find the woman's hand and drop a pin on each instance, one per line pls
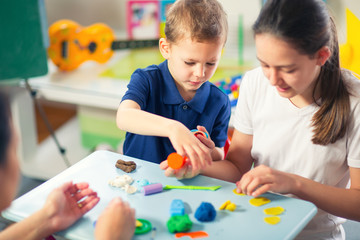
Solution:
(67, 203)
(116, 222)
(262, 179)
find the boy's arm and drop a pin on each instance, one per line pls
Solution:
(132, 119)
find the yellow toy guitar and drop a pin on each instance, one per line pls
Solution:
(71, 44)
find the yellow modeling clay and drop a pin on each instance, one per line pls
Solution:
(272, 220)
(274, 211)
(231, 207)
(241, 194)
(259, 201)
(223, 206)
(138, 223)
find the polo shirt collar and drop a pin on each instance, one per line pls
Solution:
(171, 95)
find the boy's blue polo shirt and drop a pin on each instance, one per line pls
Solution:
(154, 89)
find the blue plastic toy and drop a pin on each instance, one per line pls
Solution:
(177, 207)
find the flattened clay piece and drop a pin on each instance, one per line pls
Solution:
(274, 211)
(241, 194)
(272, 220)
(259, 201)
(126, 166)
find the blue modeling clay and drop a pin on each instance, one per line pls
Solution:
(142, 182)
(205, 212)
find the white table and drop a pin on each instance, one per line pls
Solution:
(246, 222)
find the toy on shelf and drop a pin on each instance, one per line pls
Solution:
(164, 6)
(230, 86)
(350, 51)
(146, 19)
(143, 19)
(71, 44)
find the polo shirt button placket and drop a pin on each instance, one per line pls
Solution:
(185, 107)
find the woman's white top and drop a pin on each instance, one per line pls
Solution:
(282, 136)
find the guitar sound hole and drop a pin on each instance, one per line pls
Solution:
(92, 47)
(64, 49)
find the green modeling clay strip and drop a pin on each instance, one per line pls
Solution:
(213, 188)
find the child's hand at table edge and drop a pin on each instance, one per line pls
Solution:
(185, 172)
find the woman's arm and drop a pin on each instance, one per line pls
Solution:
(337, 201)
(34, 227)
(237, 162)
(64, 205)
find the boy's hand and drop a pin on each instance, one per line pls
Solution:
(206, 141)
(187, 144)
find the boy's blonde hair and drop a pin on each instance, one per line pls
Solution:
(201, 20)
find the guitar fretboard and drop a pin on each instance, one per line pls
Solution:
(126, 44)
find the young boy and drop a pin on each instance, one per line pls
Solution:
(164, 102)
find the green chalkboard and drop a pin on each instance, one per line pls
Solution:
(23, 39)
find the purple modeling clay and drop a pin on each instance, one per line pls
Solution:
(152, 188)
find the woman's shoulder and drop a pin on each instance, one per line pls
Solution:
(255, 79)
(352, 82)
(255, 72)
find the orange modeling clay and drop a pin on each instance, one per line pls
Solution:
(175, 160)
(192, 235)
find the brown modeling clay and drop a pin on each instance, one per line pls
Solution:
(126, 166)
